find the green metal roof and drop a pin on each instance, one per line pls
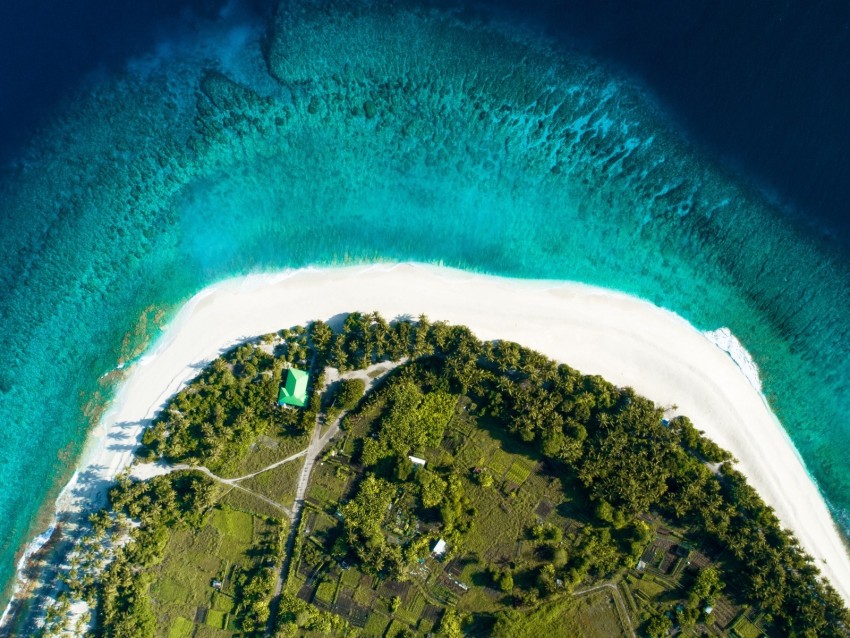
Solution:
(294, 390)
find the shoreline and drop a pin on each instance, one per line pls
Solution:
(626, 340)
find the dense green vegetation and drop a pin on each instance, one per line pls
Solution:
(349, 393)
(564, 501)
(216, 419)
(615, 444)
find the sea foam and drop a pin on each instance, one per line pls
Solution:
(726, 341)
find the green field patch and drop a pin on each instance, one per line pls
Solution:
(208, 563)
(169, 590)
(499, 462)
(204, 631)
(648, 587)
(232, 550)
(325, 591)
(364, 596)
(222, 602)
(498, 526)
(243, 501)
(395, 629)
(425, 626)
(267, 450)
(321, 494)
(194, 559)
(234, 523)
(348, 444)
(216, 619)
(322, 523)
(376, 625)
(327, 485)
(591, 616)
(416, 605)
(597, 615)
(743, 628)
(277, 484)
(350, 578)
(518, 472)
(187, 569)
(407, 616)
(181, 628)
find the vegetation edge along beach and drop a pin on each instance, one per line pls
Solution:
(419, 281)
(630, 475)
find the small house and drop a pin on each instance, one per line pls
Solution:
(439, 548)
(417, 461)
(294, 389)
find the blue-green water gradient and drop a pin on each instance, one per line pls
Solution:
(365, 134)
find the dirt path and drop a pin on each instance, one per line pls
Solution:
(622, 611)
(317, 444)
(149, 470)
(297, 455)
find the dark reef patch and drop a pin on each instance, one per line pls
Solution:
(374, 131)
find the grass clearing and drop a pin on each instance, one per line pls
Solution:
(234, 523)
(648, 587)
(240, 500)
(170, 590)
(325, 592)
(192, 560)
(499, 462)
(223, 602)
(411, 611)
(519, 471)
(364, 595)
(328, 483)
(552, 619)
(350, 578)
(269, 449)
(743, 628)
(597, 614)
(417, 605)
(376, 625)
(203, 631)
(425, 626)
(395, 629)
(592, 616)
(216, 619)
(277, 484)
(181, 628)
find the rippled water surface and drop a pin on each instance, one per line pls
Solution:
(362, 134)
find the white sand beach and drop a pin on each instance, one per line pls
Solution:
(626, 340)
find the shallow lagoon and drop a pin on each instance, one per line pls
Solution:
(382, 136)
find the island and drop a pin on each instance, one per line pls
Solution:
(366, 477)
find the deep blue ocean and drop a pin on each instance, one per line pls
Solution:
(694, 154)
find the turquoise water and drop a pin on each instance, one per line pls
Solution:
(383, 135)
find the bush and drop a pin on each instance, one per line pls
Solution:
(349, 393)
